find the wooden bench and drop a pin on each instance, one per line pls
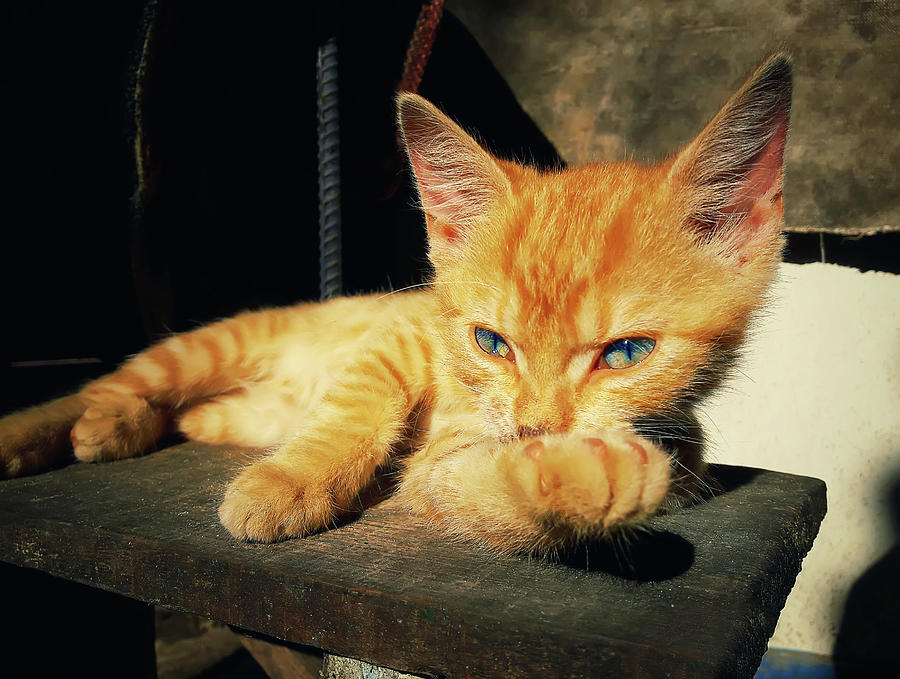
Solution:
(696, 596)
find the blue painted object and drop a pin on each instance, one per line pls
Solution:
(784, 663)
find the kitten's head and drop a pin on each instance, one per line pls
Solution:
(603, 295)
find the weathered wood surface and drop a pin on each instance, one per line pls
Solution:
(699, 599)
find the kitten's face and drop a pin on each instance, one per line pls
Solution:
(595, 297)
(583, 303)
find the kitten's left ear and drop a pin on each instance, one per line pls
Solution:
(458, 181)
(733, 170)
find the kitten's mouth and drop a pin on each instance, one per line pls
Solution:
(524, 434)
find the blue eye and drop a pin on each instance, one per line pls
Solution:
(626, 352)
(491, 343)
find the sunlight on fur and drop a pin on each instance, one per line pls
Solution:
(526, 438)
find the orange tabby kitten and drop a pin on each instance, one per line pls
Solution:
(574, 319)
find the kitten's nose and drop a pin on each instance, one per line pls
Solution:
(525, 432)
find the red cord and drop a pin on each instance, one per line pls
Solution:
(420, 46)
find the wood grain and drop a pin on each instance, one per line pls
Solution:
(697, 596)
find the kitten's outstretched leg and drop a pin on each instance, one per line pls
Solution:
(316, 476)
(127, 411)
(124, 413)
(35, 439)
(541, 493)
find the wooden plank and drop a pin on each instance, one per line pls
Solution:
(700, 597)
(281, 661)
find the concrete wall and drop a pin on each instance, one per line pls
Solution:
(609, 78)
(818, 394)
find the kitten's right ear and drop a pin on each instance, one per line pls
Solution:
(458, 181)
(733, 170)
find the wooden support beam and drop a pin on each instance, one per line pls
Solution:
(281, 661)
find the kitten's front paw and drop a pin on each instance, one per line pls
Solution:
(592, 483)
(269, 501)
(116, 429)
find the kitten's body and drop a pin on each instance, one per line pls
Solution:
(535, 441)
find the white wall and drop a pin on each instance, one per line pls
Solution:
(819, 395)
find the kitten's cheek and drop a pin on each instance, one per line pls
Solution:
(597, 376)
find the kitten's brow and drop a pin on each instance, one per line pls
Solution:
(448, 310)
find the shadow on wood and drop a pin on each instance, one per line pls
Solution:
(644, 556)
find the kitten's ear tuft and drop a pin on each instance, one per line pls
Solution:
(733, 170)
(458, 181)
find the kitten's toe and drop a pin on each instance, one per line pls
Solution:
(638, 474)
(269, 502)
(115, 430)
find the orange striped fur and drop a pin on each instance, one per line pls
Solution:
(535, 453)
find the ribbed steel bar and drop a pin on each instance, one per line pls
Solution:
(330, 284)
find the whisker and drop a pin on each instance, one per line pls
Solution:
(431, 283)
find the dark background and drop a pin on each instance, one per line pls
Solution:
(229, 120)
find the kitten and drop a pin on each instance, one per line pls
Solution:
(574, 320)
